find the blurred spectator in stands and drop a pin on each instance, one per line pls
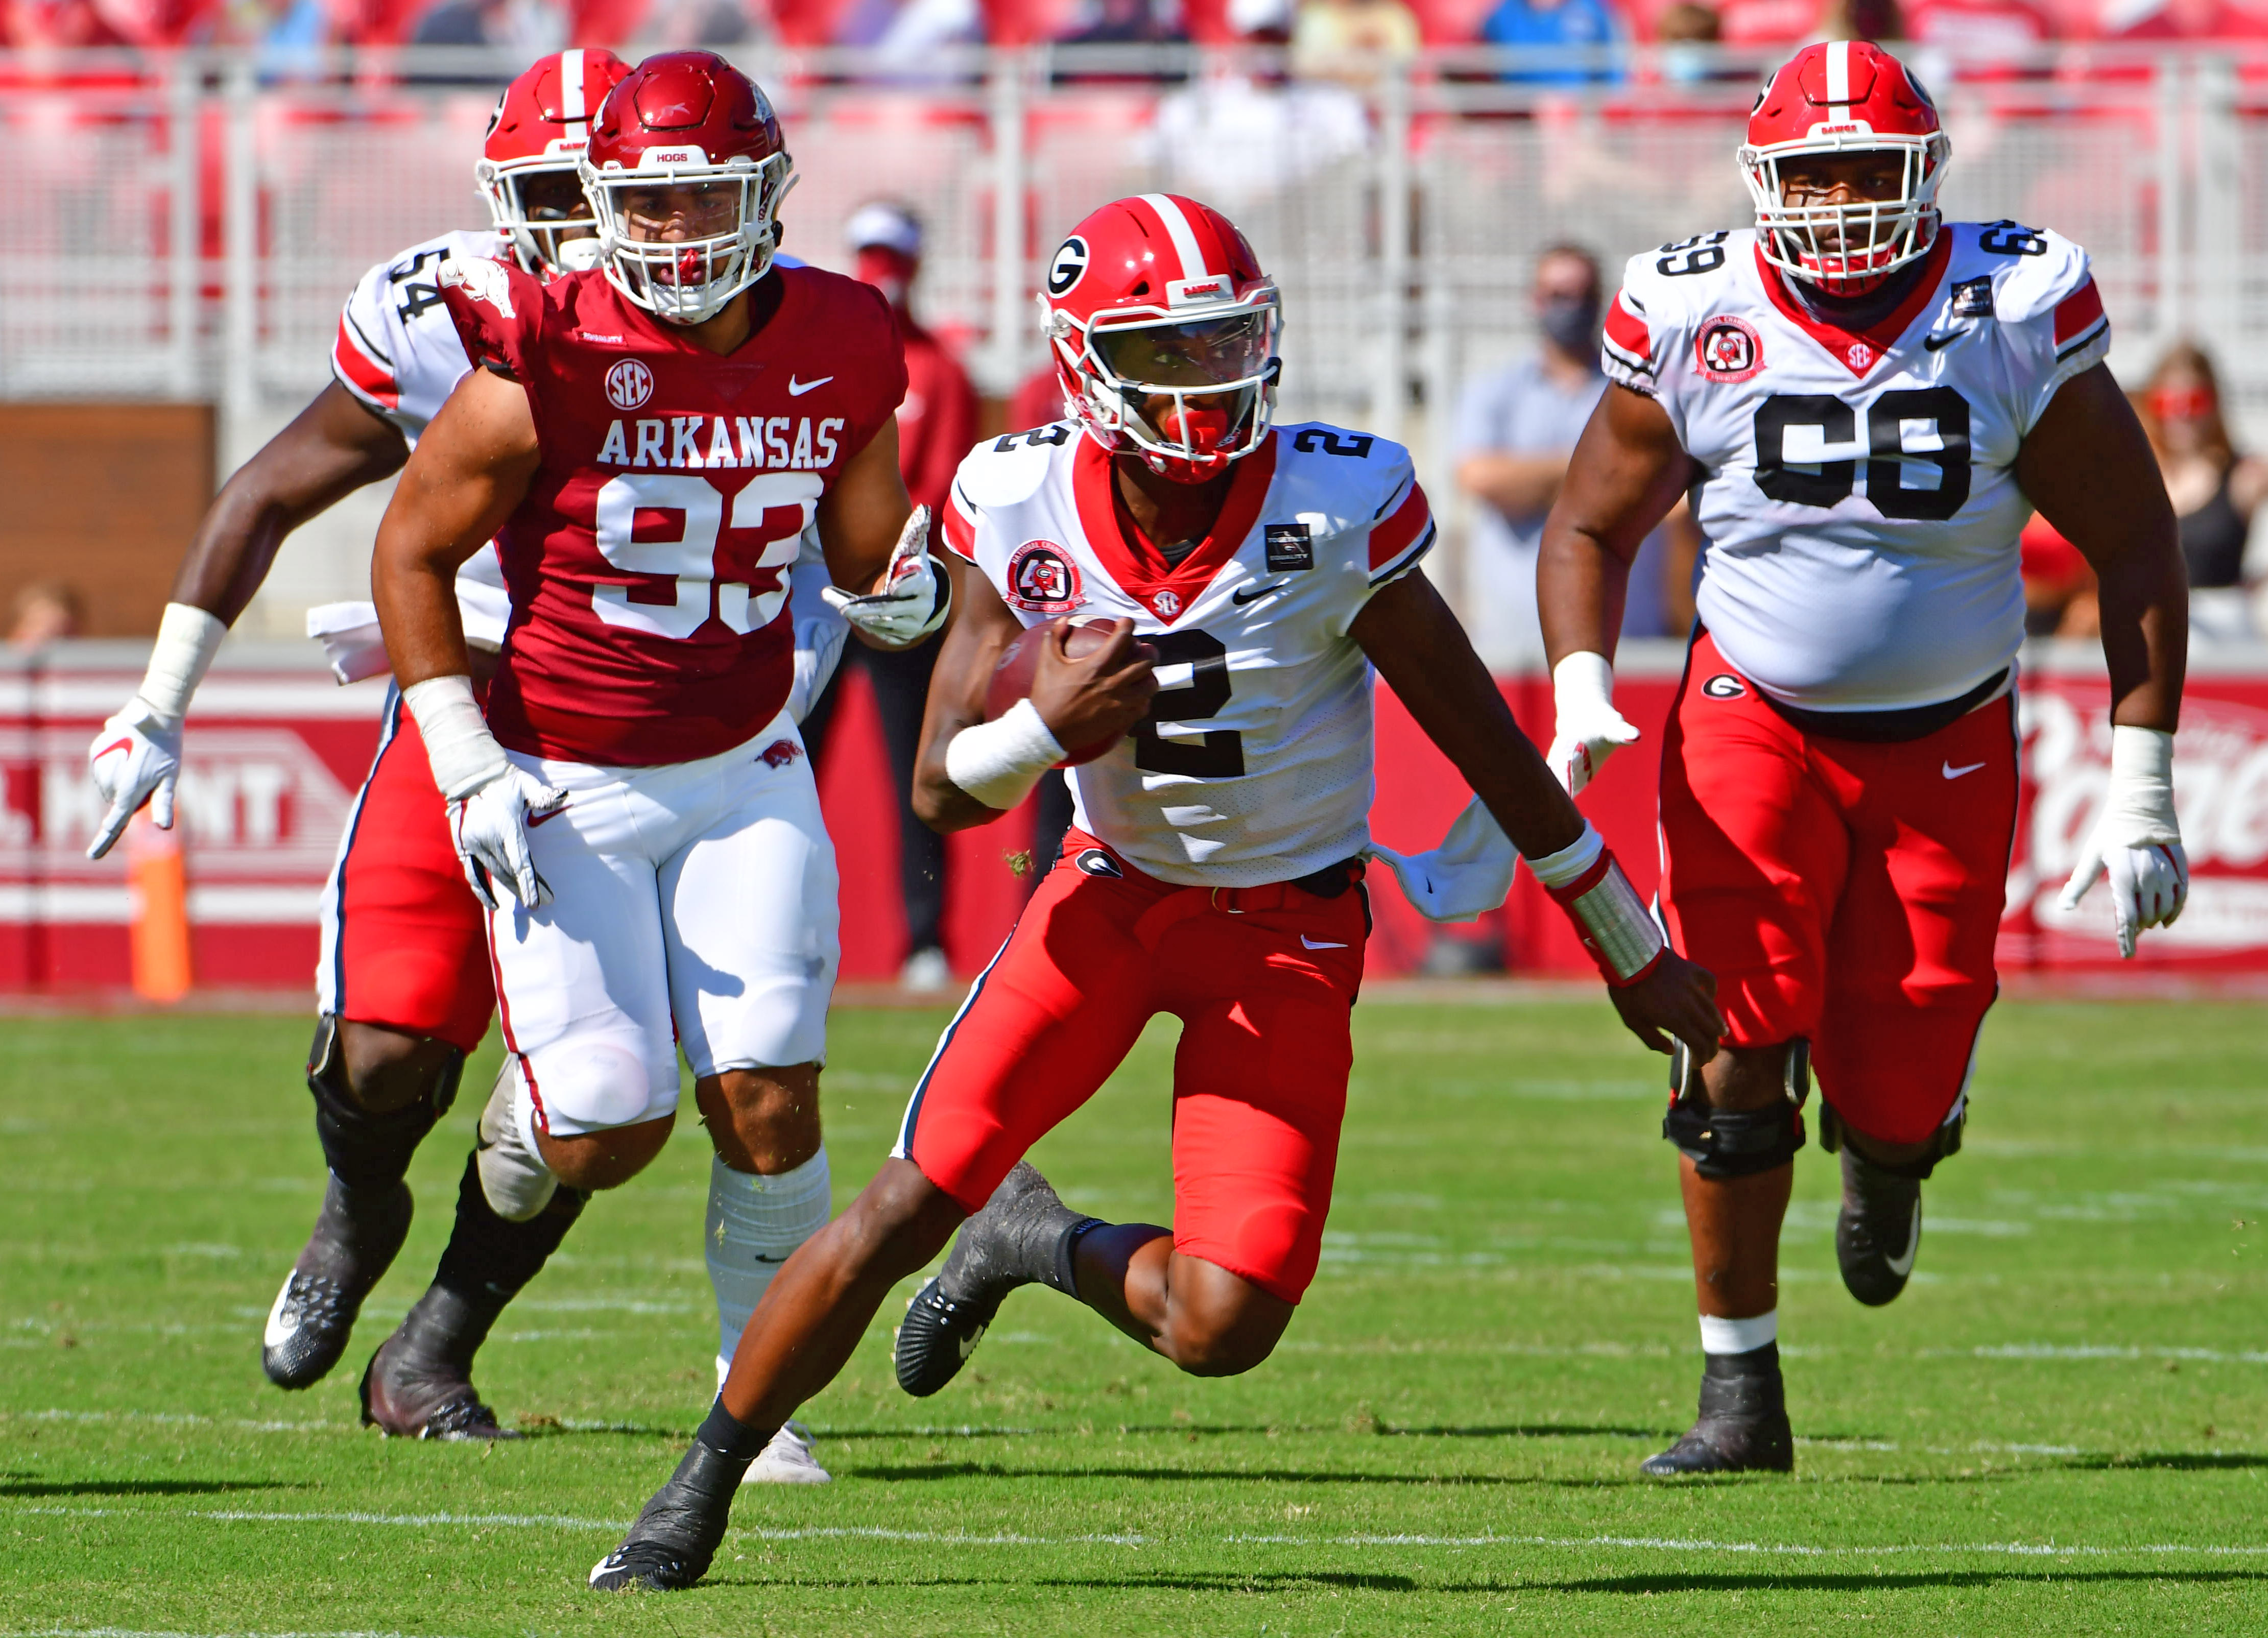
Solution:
(45, 611)
(906, 34)
(1515, 431)
(527, 28)
(2215, 491)
(2059, 591)
(936, 423)
(1126, 23)
(684, 25)
(1789, 22)
(1244, 132)
(1349, 40)
(1561, 28)
(1688, 35)
(1972, 37)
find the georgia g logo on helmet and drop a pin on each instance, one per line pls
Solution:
(1068, 266)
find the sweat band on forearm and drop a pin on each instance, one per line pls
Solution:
(999, 761)
(1609, 917)
(464, 754)
(187, 639)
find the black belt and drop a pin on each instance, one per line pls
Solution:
(1913, 722)
(1332, 879)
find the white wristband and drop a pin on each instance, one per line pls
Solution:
(187, 639)
(2141, 804)
(1556, 869)
(999, 761)
(1582, 678)
(464, 754)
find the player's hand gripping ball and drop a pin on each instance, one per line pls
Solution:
(1019, 669)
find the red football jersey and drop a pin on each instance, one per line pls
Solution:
(648, 565)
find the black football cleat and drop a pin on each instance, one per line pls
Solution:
(356, 1235)
(1878, 1232)
(414, 1392)
(1743, 1424)
(677, 1533)
(1019, 1238)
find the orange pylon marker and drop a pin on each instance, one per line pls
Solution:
(159, 880)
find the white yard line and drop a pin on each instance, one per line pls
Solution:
(1643, 1544)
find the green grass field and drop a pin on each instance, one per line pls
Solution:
(2062, 1427)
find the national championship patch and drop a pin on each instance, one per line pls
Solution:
(1042, 579)
(1727, 350)
(1972, 298)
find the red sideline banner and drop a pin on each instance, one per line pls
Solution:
(275, 751)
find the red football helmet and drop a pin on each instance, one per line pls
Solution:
(687, 145)
(538, 128)
(1842, 97)
(1159, 297)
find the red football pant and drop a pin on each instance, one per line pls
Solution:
(1262, 979)
(1844, 892)
(405, 944)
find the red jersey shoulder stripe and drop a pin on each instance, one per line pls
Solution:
(1628, 340)
(2078, 318)
(361, 374)
(1402, 537)
(960, 526)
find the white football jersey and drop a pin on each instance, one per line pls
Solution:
(1859, 491)
(1254, 763)
(399, 353)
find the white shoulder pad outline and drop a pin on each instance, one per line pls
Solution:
(1009, 470)
(2033, 269)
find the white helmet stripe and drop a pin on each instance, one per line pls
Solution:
(1178, 229)
(1838, 72)
(570, 86)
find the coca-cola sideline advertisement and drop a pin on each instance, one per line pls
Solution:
(275, 750)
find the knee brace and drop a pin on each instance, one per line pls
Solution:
(1943, 1143)
(1737, 1143)
(365, 1149)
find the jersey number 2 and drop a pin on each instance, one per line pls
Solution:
(1891, 419)
(671, 524)
(1221, 754)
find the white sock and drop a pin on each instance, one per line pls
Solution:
(1739, 1336)
(754, 1225)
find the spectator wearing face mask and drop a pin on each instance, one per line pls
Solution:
(1515, 432)
(2214, 487)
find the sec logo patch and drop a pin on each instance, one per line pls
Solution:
(1727, 350)
(629, 385)
(1724, 686)
(1042, 579)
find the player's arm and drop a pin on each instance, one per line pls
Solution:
(468, 475)
(970, 771)
(887, 585)
(331, 449)
(1425, 656)
(2087, 466)
(1627, 473)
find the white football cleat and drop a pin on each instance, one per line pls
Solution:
(788, 1460)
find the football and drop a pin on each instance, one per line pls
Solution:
(1011, 678)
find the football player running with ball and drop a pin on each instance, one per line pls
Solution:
(647, 442)
(1867, 403)
(1249, 578)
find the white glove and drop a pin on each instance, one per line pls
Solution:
(353, 645)
(2138, 841)
(1467, 875)
(820, 635)
(488, 825)
(1587, 728)
(135, 759)
(917, 598)
(490, 800)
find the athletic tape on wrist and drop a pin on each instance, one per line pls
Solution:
(187, 639)
(1585, 678)
(2140, 803)
(1609, 917)
(999, 761)
(464, 754)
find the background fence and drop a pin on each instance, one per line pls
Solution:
(186, 227)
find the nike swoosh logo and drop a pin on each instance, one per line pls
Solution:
(1952, 772)
(546, 817)
(1932, 343)
(280, 1330)
(968, 1343)
(1253, 594)
(115, 745)
(1902, 1266)
(797, 389)
(1319, 944)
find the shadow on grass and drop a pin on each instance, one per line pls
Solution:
(2173, 1461)
(1531, 1430)
(931, 1471)
(1650, 1585)
(136, 1486)
(1247, 1581)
